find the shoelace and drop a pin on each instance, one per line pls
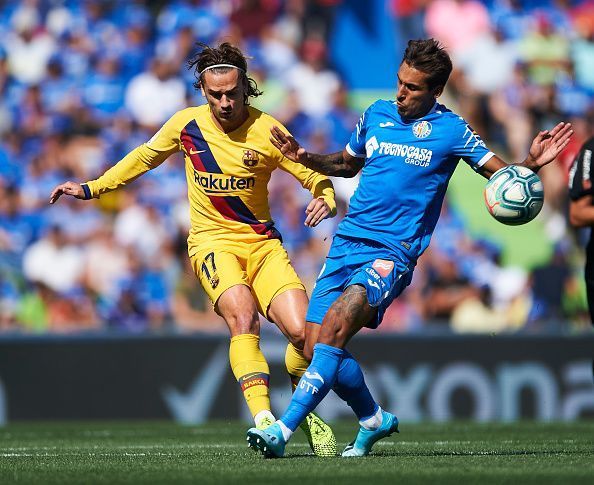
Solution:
(316, 429)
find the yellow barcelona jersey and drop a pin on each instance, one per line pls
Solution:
(227, 173)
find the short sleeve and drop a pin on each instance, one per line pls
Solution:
(356, 144)
(468, 145)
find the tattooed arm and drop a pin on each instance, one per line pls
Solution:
(339, 164)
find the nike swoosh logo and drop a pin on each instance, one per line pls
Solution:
(373, 283)
(194, 404)
(386, 124)
(314, 376)
(195, 152)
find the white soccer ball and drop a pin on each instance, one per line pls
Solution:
(514, 195)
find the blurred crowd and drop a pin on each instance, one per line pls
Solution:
(84, 82)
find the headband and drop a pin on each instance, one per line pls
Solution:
(220, 65)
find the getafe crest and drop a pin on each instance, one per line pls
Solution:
(421, 129)
(250, 158)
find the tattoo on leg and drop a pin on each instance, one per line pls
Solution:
(352, 303)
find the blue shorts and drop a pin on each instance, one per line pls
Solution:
(359, 262)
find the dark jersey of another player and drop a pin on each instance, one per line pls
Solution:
(580, 185)
(408, 164)
(580, 182)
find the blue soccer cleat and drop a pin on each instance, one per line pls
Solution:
(269, 441)
(366, 438)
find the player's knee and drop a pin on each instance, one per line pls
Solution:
(242, 323)
(334, 332)
(297, 337)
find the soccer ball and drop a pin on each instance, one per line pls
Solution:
(514, 195)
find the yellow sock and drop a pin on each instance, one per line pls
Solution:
(296, 363)
(251, 371)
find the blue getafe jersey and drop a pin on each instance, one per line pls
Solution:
(406, 173)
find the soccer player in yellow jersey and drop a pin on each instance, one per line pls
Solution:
(233, 245)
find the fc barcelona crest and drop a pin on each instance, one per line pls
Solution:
(250, 158)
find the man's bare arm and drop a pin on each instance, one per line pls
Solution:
(544, 149)
(339, 164)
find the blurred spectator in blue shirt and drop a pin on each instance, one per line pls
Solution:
(10, 170)
(573, 99)
(75, 54)
(128, 13)
(32, 118)
(511, 18)
(582, 54)
(119, 137)
(136, 51)
(289, 217)
(340, 120)
(143, 301)
(206, 21)
(61, 95)
(18, 228)
(127, 312)
(6, 100)
(104, 88)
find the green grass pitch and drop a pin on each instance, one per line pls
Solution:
(157, 452)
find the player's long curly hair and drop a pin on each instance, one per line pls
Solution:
(429, 56)
(223, 54)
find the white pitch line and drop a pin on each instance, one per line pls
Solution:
(118, 450)
(153, 450)
(190, 446)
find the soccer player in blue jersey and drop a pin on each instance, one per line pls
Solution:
(407, 151)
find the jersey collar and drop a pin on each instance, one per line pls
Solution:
(430, 112)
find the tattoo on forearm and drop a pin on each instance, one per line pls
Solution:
(332, 164)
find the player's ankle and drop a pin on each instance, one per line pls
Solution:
(285, 430)
(374, 421)
(262, 415)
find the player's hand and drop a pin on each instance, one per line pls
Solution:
(68, 188)
(287, 145)
(317, 210)
(547, 145)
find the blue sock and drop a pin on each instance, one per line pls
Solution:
(350, 387)
(313, 385)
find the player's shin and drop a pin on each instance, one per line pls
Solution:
(313, 386)
(295, 363)
(319, 435)
(350, 387)
(251, 371)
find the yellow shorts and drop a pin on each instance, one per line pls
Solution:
(263, 266)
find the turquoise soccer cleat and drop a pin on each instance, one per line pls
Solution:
(269, 441)
(366, 438)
